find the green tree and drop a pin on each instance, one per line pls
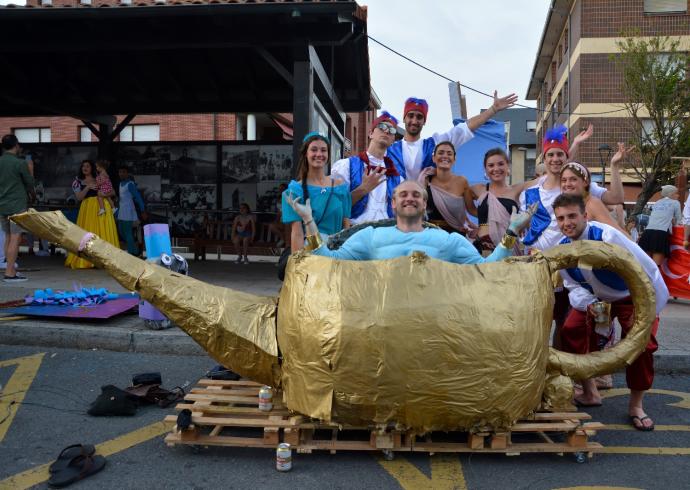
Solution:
(656, 87)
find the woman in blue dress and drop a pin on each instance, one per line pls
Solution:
(330, 198)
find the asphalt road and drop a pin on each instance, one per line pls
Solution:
(62, 383)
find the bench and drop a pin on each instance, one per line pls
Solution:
(218, 234)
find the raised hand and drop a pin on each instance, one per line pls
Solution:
(372, 178)
(303, 210)
(520, 221)
(621, 154)
(424, 175)
(501, 103)
(584, 135)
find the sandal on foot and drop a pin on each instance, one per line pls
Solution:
(79, 468)
(68, 454)
(641, 420)
(579, 403)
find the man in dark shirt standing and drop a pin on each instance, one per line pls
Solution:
(16, 181)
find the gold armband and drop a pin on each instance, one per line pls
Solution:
(313, 242)
(508, 241)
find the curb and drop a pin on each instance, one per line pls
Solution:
(174, 341)
(86, 337)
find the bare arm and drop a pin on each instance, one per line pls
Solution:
(577, 141)
(469, 199)
(615, 193)
(296, 236)
(598, 212)
(499, 104)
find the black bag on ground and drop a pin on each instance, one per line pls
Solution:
(113, 401)
(222, 373)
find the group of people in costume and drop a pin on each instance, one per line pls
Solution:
(411, 181)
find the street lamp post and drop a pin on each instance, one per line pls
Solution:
(604, 156)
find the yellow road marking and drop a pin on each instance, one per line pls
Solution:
(446, 473)
(683, 403)
(16, 387)
(598, 488)
(656, 451)
(39, 474)
(12, 318)
(670, 428)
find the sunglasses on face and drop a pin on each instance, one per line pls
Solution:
(386, 128)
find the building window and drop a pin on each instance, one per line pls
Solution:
(141, 132)
(531, 126)
(84, 134)
(566, 96)
(46, 2)
(85, 2)
(560, 54)
(32, 135)
(665, 6)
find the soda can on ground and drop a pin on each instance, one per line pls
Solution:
(284, 457)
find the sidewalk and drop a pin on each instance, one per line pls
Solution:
(128, 333)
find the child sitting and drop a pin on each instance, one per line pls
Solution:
(105, 187)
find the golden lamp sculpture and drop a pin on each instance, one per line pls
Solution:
(412, 341)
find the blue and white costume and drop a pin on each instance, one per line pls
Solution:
(377, 204)
(587, 286)
(389, 242)
(412, 157)
(543, 232)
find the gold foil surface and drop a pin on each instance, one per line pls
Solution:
(237, 329)
(414, 341)
(558, 393)
(614, 258)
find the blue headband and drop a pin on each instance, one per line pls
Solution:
(316, 134)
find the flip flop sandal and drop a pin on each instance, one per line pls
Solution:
(68, 454)
(641, 420)
(79, 468)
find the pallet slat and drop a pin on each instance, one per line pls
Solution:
(224, 413)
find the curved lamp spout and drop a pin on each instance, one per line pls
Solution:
(237, 329)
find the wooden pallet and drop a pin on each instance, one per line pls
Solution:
(226, 413)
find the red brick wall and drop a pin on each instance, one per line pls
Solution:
(607, 18)
(173, 127)
(607, 130)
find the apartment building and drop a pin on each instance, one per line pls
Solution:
(574, 81)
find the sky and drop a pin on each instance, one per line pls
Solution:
(489, 45)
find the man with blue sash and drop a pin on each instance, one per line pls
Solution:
(412, 154)
(372, 176)
(589, 289)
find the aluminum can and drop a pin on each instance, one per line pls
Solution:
(284, 457)
(265, 399)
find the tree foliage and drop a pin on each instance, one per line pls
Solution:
(656, 87)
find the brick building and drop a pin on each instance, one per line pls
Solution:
(271, 127)
(573, 74)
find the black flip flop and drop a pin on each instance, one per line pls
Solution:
(79, 468)
(641, 427)
(68, 454)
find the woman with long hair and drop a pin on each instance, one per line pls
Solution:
(330, 198)
(497, 200)
(86, 191)
(450, 195)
